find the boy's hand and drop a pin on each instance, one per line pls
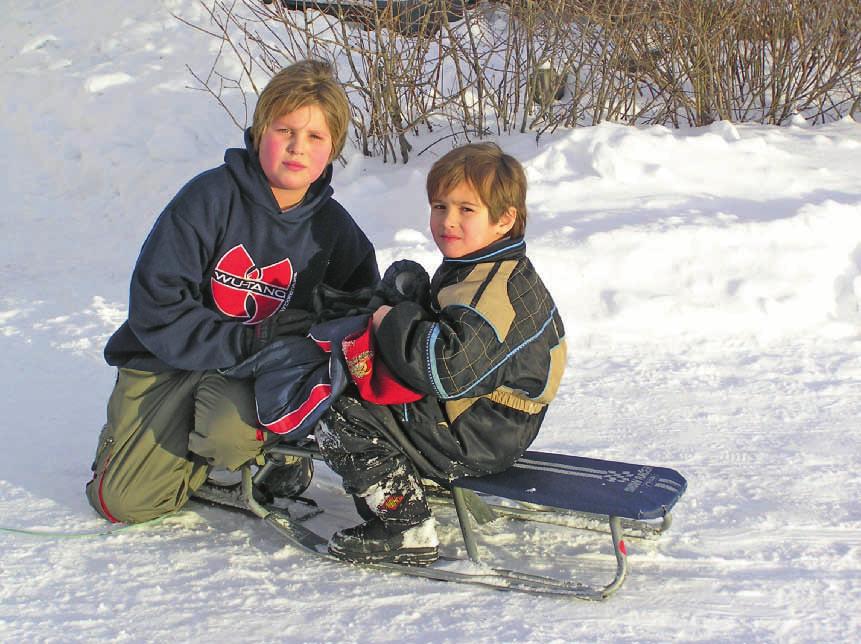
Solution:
(379, 314)
(289, 322)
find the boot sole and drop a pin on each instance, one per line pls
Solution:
(403, 556)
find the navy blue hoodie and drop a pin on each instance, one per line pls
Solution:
(222, 257)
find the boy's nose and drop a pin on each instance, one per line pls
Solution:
(294, 144)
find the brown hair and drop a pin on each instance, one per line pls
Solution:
(498, 178)
(307, 82)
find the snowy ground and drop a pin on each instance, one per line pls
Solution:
(709, 280)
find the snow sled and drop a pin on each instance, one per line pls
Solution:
(541, 486)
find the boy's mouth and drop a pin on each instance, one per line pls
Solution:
(293, 165)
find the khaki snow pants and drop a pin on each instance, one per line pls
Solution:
(164, 433)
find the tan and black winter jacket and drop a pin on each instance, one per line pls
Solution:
(489, 355)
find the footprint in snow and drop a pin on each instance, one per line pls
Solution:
(39, 43)
(101, 82)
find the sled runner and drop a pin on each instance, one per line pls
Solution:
(542, 486)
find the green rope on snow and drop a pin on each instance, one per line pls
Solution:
(102, 532)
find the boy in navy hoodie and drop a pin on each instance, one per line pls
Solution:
(229, 265)
(487, 351)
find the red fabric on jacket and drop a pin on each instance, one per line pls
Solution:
(376, 383)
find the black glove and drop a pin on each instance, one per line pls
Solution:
(288, 322)
(331, 303)
(405, 281)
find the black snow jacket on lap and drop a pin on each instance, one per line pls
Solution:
(223, 257)
(297, 379)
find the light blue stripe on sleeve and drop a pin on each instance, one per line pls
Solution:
(431, 362)
(432, 336)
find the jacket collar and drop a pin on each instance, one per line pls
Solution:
(507, 248)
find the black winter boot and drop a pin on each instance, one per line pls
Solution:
(289, 480)
(403, 530)
(374, 541)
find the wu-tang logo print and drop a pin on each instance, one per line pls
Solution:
(243, 290)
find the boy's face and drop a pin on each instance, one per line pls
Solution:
(294, 151)
(460, 222)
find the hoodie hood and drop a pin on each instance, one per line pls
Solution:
(244, 165)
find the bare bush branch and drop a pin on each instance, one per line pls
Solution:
(470, 68)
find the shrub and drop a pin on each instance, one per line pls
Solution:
(467, 69)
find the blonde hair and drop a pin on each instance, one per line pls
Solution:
(306, 82)
(498, 178)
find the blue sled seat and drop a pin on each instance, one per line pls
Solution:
(639, 492)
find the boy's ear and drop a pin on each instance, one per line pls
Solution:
(506, 221)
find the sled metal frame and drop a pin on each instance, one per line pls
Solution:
(471, 506)
(466, 500)
(486, 577)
